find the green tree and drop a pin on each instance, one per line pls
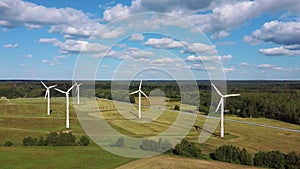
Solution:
(84, 141)
(176, 107)
(8, 143)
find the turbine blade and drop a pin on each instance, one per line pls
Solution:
(71, 88)
(219, 105)
(47, 92)
(232, 95)
(79, 84)
(216, 89)
(60, 91)
(144, 94)
(140, 85)
(44, 84)
(52, 86)
(133, 92)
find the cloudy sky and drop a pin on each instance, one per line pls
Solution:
(257, 39)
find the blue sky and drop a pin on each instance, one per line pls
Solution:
(254, 40)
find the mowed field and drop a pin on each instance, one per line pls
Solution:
(27, 117)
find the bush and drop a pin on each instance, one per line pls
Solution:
(61, 139)
(30, 141)
(187, 149)
(8, 143)
(120, 142)
(152, 145)
(176, 107)
(272, 159)
(232, 154)
(84, 141)
(292, 160)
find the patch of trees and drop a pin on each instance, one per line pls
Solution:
(276, 159)
(157, 146)
(56, 139)
(271, 159)
(232, 154)
(187, 149)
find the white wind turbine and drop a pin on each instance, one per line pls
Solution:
(67, 104)
(140, 93)
(77, 91)
(47, 95)
(221, 103)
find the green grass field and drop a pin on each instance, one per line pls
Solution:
(27, 117)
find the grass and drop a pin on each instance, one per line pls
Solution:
(253, 138)
(58, 157)
(27, 117)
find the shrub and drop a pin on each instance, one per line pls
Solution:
(8, 143)
(292, 160)
(187, 149)
(42, 142)
(61, 139)
(30, 141)
(84, 141)
(272, 159)
(176, 107)
(232, 154)
(120, 142)
(152, 145)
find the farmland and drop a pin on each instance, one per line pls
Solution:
(27, 117)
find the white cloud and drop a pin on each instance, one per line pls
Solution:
(193, 58)
(244, 64)
(117, 11)
(164, 43)
(290, 50)
(50, 62)
(55, 41)
(228, 69)
(278, 32)
(219, 35)
(76, 46)
(130, 53)
(137, 37)
(10, 45)
(71, 22)
(29, 56)
(59, 57)
(201, 48)
(277, 68)
(111, 33)
(215, 17)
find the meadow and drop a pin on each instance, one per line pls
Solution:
(27, 117)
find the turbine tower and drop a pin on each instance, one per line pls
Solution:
(67, 104)
(140, 95)
(221, 103)
(47, 95)
(77, 91)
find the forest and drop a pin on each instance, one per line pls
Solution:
(270, 99)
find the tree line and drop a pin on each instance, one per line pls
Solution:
(270, 159)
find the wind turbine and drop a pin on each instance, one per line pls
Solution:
(77, 90)
(67, 104)
(47, 94)
(221, 103)
(140, 93)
